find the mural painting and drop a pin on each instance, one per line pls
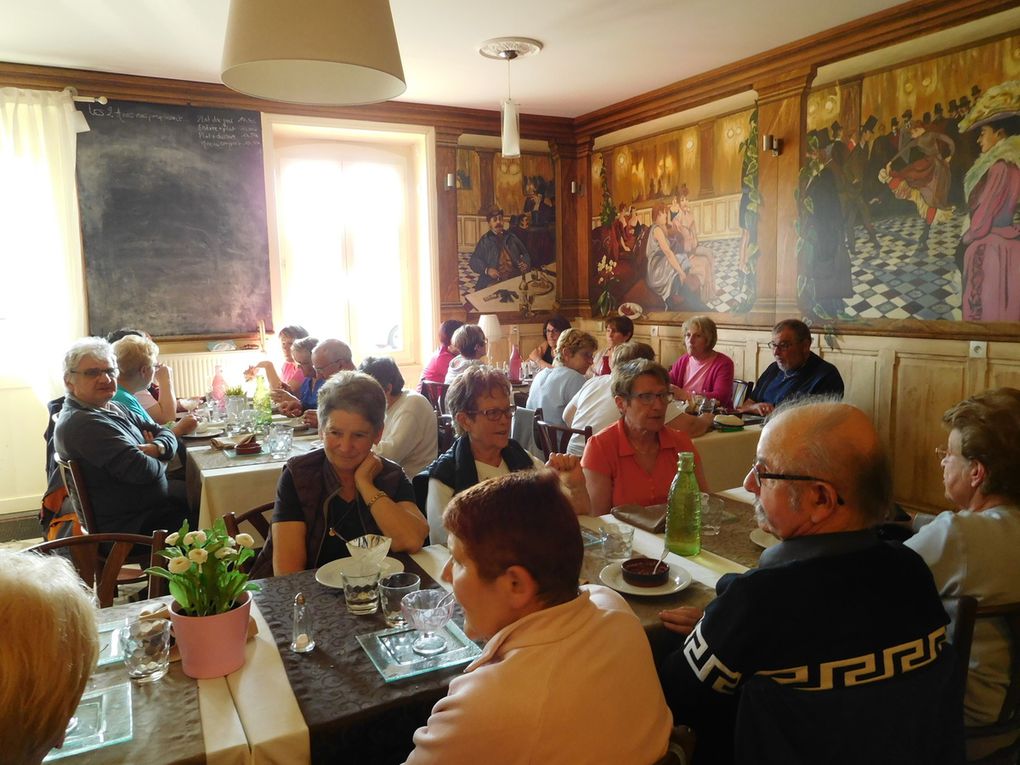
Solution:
(506, 232)
(677, 230)
(908, 196)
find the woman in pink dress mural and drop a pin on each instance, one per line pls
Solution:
(991, 242)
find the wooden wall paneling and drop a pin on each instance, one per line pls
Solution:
(573, 232)
(446, 223)
(859, 369)
(1003, 369)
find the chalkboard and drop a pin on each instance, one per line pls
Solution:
(173, 217)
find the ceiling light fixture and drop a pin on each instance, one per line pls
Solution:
(508, 49)
(324, 52)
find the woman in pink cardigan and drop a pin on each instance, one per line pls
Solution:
(702, 370)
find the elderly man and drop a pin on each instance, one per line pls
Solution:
(797, 370)
(499, 254)
(122, 456)
(328, 357)
(834, 648)
(594, 404)
(973, 549)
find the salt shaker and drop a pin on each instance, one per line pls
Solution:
(302, 640)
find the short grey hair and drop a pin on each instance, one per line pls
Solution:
(353, 392)
(630, 351)
(304, 344)
(625, 375)
(574, 341)
(470, 341)
(338, 351)
(473, 382)
(96, 347)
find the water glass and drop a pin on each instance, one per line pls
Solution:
(361, 588)
(235, 406)
(248, 419)
(712, 514)
(619, 542)
(280, 440)
(594, 560)
(707, 405)
(147, 649)
(392, 590)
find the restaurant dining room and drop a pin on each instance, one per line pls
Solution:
(418, 382)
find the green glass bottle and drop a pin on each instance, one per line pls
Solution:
(683, 514)
(262, 403)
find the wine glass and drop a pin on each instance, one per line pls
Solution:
(428, 611)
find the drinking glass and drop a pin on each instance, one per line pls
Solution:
(147, 649)
(707, 405)
(392, 590)
(280, 440)
(428, 614)
(248, 419)
(618, 542)
(235, 406)
(361, 588)
(712, 514)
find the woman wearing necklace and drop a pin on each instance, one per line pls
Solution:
(633, 461)
(331, 495)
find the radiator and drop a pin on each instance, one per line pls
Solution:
(193, 372)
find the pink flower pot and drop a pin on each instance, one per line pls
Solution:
(212, 646)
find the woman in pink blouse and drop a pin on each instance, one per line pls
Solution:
(702, 370)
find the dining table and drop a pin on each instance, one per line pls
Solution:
(727, 455)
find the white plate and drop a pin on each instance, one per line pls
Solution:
(763, 539)
(612, 576)
(633, 311)
(329, 573)
(208, 433)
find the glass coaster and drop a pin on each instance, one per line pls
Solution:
(103, 718)
(391, 653)
(111, 647)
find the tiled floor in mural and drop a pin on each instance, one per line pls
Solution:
(897, 282)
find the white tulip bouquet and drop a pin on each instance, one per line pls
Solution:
(204, 569)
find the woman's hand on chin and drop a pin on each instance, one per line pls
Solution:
(368, 470)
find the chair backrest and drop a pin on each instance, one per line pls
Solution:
(740, 390)
(556, 438)
(74, 482)
(445, 430)
(435, 392)
(256, 517)
(962, 612)
(53, 407)
(98, 559)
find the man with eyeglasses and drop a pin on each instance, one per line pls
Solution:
(328, 357)
(832, 650)
(123, 457)
(796, 371)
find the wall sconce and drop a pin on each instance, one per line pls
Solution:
(576, 188)
(771, 144)
(451, 182)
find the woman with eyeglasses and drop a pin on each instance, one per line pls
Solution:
(329, 496)
(480, 402)
(633, 461)
(545, 352)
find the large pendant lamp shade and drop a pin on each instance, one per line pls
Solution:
(511, 132)
(325, 52)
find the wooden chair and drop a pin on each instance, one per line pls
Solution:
(435, 392)
(256, 518)
(74, 482)
(99, 558)
(447, 433)
(964, 614)
(555, 438)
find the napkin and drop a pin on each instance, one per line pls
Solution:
(231, 443)
(651, 518)
(370, 549)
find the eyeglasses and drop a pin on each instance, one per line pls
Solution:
(942, 453)
(783, 346)
(92, 374)
(495, 414)
(759, 474)
(648, 398)
(320, 370)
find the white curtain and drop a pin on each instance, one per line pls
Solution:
(42, 294)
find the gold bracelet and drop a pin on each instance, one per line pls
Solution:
(376, 498)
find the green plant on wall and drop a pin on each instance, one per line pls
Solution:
(608, 213)
(606, 302)
(750, 207)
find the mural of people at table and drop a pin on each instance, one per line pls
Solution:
(499, 254)
(990, 258)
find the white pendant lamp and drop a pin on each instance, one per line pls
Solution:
(323, 52)
(508, 49)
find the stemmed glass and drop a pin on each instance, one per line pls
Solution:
(428, 611)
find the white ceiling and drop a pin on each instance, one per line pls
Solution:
(597, 52)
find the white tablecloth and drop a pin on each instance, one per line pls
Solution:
(726, 457)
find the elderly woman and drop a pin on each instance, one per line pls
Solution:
(973, 550)
(515, 559)
(343, 491)
(50, 648)
(545, 351)
(479, 401)
(435, 370)
(409, 437)
(633, 462)
(553, 388)
(702, 370)
(137, 361)
(619, 330)
(303, 397)
(290, 375)
(470, 343)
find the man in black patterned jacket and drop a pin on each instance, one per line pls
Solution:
(832, 650)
